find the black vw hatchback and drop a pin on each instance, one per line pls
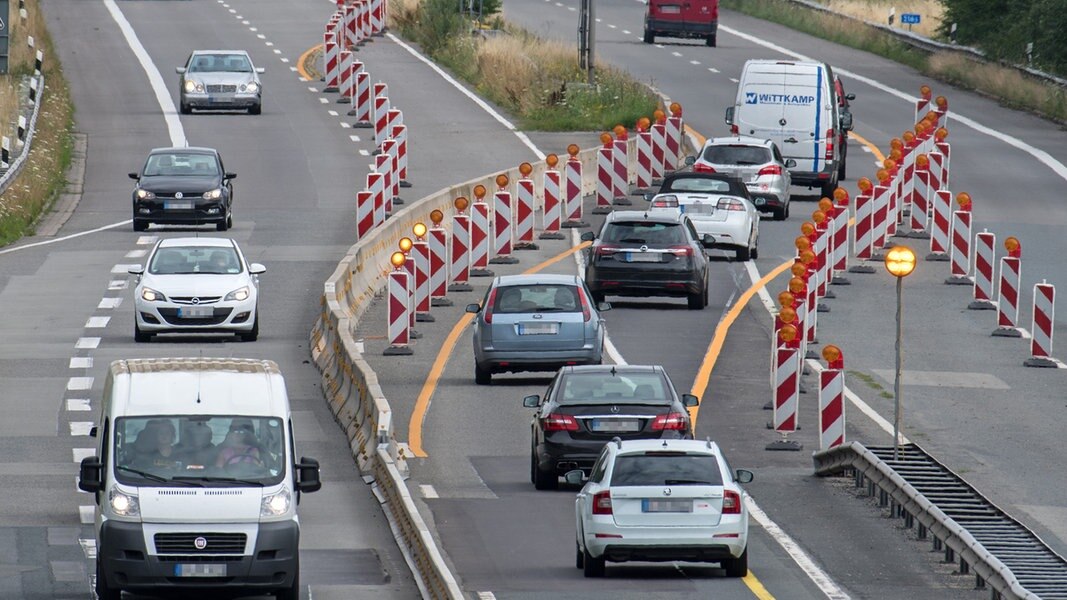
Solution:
(183, 186)
(587, 406)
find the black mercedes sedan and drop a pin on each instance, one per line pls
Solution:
(587, 406)
(183, 186)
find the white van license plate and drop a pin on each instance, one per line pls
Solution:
(200, 570)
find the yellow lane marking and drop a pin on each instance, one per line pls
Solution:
(303, 58)
(693, 132)
(756, 587)
(422, 405)
(874, 149)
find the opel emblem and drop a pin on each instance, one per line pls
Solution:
(195, 300)
(644, 248)
(179, 195)
(666, 491)
(200, 542)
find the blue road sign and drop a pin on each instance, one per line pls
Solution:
(910, 18)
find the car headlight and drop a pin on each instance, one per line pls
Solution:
(239, 294)
(145, 194)
(193, 86)
(150, 295)
(123, 504)
(276, 504)
(251, 87)
(214, 194)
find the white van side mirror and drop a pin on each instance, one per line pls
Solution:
(307, 475)
(91, 475)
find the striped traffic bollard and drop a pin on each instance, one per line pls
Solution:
(552, 212)
(863, 234)
(502, 218)
(1008, 298)
(362, 105)
(438, 261)
(38, 63)
(984, 259)
(20, 133)
(524, 209)
(659, 151)
(960, 253)
(391, 148)
(811, 324)
(394, 117)
(412, 269)
(397, 309)
(672, 156)
(376, 13)
(841, 230)
(943, 149)
(376, 186)
(924, 102)
(786, 391)
(345, 82)
(460, 263)
(644, 162)
(572, 190)
(604, 178)
(832, 399)
(365, 21)
(400, 134)
(331, 58)
(381, 112)
(383, 163)
(879, 218)
(934, 172)
(820, 248)
(420, 250)
(939, 230)
(1044, 317)
(906, 183)
(919, 195)
(351, 35)
(620, 180)
(364, 213)
(479, 243)
(337, 21)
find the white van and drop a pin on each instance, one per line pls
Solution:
(794, 104)
(195, 479)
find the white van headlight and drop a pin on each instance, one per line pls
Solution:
(276, 504)
(123, 504)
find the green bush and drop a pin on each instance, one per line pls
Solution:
(1003, 28)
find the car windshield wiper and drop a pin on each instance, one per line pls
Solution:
(147, 475)
(220, 479)
(686, 482)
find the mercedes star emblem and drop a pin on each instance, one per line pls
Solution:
(782, 121)
(614, 409)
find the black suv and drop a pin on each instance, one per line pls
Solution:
(183, 186)
(648, 254)
(587, 406)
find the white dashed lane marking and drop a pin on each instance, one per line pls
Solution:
(146, 240)
(80, 428)
(106, 303)
(81, 362)
(78, 404)
(324, 100)
(79, 453)
(97, 322)
(79, 383)
(354, 138)
(333, 113)
(122, 269)
(117, 284)
(86, 513)
(87, 343)
(678, 54)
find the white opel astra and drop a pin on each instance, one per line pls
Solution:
(197, 285)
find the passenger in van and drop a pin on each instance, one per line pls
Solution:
(154, 446)
(195, 447)
(240, 446)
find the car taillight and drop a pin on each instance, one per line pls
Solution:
(734, 130)
(559, 422)
(729, 204)
(702, 168)
(829, 144)
(665, 202)
(587, 313)
(605, 250)
(670, 422)
(681, 250)
(770, 170)
(731, 503)
(487, 310)
(602, 503)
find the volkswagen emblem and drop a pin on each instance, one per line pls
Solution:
(614, 409)
(200, 542)
(666, 491)
(179, 195)
(195, 301)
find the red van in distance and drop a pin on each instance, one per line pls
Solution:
(682, 19)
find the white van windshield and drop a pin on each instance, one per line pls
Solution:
(203, 450)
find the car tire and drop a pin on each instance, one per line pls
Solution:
(828, 188)
(743, 254)
(103, 590)
(697, 300)
(755, 251)
(711, 42)
(737, 567)
(786, 211)
(140, 225)
(229, 220)
(579, 556)
(184, 109)
(780, 214)
(253, 334)
(841, 170)
(649, 38)
(292, 592)
(545, 480)
(140, 336)
(592, 567)
(222, 225)
(482, 376)
(255, 110)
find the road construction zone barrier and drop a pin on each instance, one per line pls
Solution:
(364, 213)
(502, 236)
(400, 134)
(383, 164)
(1043, 319)
(351, 29)
(644, 162)
(413, 270)
(361, 107)
(879, 218)
(377, 16)
(619, 172)
(573, 192)
(659, 150)
(420, 251)
(524, 210)
(364, 21)
(381, 112)
(344, 77)
(461, 253)
(919, 194)
(786, 401)
(392, 174)
(841, 233)
(863, 234)
(960, 253)
(1008, 297)
(332, 65)
(552, 213)
(605, 180)
(376, 186)
(943, 149)
(438, 262)
(984, 259)
(832, 400)
(673, 154)
(939, 232)
(397, 312)
(480, 239)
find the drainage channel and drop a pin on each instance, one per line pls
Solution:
(1004, 555)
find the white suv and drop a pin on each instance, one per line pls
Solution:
(756, 162)
(661, 500)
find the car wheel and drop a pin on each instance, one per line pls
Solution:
(711, 40)
(139, 225)
(545, 480)
(786, 211)
(222, 225)
(292, 592)
(229, 220)
(103, 591)
(592, 567)
(649, 37)
(579, 556)
(184, 108)
(255, 110)
(696, 301)
(138, 335)
(743, 254)
(737, 567)
(482, 376)
(252, 335)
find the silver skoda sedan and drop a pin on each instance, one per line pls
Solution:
(220, 80)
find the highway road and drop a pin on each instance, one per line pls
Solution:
(297, 171)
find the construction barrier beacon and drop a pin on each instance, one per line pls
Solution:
(984, 259)
(397, 308)
(552, 213)
(832, 399)
(1044, 317)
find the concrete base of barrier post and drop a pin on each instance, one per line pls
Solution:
(1041, 361)
(959, 280)
(785, 444)
(574, 224)
(937, 257)
(399, 350)
(600, 210)
(501, 260)
(861, 269)
(981, 304)
(551, 235)
(457, 287)
(425, 318)
(479, 273)
(443, 301)
(1013, 332)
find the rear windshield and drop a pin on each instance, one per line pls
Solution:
(737, 155)
(698, 184)
(643, 232)
(537, 298)
(592, 388)
(666, 469)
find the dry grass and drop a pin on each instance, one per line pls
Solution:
(878, 11)
(1009, 86)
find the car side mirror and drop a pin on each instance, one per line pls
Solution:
(689, 160)
(648, 196)
(474, 308)
(707, 240)
(790, 163)
(307, 475)
(690, 400)
(92, 431)
(135, 270)
(729, 115)
(179, 70)
(230, 176)
(743, 476)
(587, 236)
(602, 306)
(135, 175)
(846, 121)
(850, 97)
(256, 269)
(575, 477)
(261, 70)
(531, 401)
(91, 475)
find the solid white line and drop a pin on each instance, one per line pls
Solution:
(67, 237)
(764, 295)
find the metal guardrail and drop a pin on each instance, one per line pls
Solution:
(16, 165)
(1003, 554)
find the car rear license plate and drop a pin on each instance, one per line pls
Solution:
(615, 425)
(538, 328)
(670, 506)
(195, 312)
(200, 570)
(642, 257)
(671, 9)
(178, 205)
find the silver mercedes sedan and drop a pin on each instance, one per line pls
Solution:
(220, 80)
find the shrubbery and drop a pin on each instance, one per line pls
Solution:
(1003, 28)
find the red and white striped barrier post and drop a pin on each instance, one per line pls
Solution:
(620, 171)
(895, 204)
(841, 229)
(906, 187)
(362, 105)
(923, 103)
(364, 21)
(832, 399)
(459, 268)
(351, 29)
(381, 112)
(377, 17)
(572, 189)
(376, 186)
(659, 146)
(672, 157)
(552, 213)
(397, 308)
(502, 219)
(406, 246)
(420, 250)
(400, 134)
(392, 179)
(438, 260)
(1008, 298)
(879, 217)
(960, 253)
(984, 260)
(393, 119)
(1044, 318)
(787, 368)
(383, 163)
(331, 56)
(821, 248)
(524, 209)
(934, 170)
(919, 195)
(364, 213)
(863, 236)
(644, 157)
(939, 232)
(344, 77)
(943, 148)
(604, 176)
(480, 234)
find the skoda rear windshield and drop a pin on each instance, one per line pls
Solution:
(666, 468)
(648, 233)
(201, 450)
